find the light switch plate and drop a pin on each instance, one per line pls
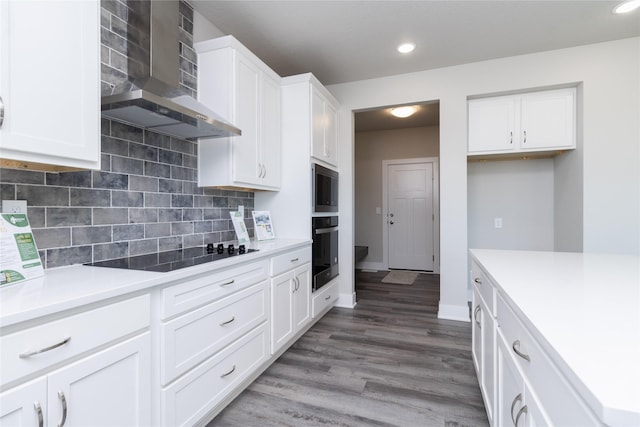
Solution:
(14, 206)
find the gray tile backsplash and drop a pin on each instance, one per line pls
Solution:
(145, 198)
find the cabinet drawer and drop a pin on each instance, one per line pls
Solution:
(206, 288)
(192, 338)
(556, 395)
(324, 298)
(290, 260)
(65, 338)
(484, 286)
(191, 397)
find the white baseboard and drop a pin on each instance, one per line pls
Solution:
(371, 266)
(346, 300)
(454, 312)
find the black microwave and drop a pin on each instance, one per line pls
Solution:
(325, 189)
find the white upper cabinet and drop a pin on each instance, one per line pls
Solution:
(50, 84)
(244, 91)
(530, 122)
(324, 136)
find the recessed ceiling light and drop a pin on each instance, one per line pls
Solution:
(627, 6)
(403, 112)
(406, 47)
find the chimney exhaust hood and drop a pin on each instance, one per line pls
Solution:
(151, 98)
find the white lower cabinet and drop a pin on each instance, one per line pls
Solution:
(94, 375)
(324, 298)
(483, 353)
(290, 305)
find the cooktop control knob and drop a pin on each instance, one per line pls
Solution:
(210, 248)
(242, 249)
(220, 248)
(231, 249)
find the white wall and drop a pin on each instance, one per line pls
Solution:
(611, 154)
(203, 29)
(520, 192)
(371, 148)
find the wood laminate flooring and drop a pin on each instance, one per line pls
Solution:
(388, 362)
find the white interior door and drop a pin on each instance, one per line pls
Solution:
(410, 216)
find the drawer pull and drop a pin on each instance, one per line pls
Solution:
(38, 409)
(517, 399)
(522, 410)
(516, 348)
(477, 280)
(228, 373)
(228, 321)
(295, 260)
(328, 297)
(63, 401)
(228, 283)
(42, 350)
(475, 316)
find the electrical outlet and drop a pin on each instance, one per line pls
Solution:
(497, 222)
(14, 206)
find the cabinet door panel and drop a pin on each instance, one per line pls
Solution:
(548, 120)
(17, 405)
(302, 296)
(331, 134)
(270, 151)
(54, 79)
(245, 147)
(282, 310)
(109, 388)
(510, 386)
(317, 125)
(476, 334)
(492, 124)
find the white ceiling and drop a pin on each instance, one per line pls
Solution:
(343, 41)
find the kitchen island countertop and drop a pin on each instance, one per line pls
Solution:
(67, 288)
(584, 309)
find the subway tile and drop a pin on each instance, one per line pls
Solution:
(220, 202)
(170, 157)
(126, 165)
(143, 215)
(89, 197)
(115, 7)
(192, 240)
(128, 132)
(170, 186)
(69, 179)
(36, 216)
(111, 75)
(169, 243)
(221, 224)
(127, 198)
(118, 26)
(143, 183)
(157, 140)
(202, 202)
(110, 251)
(103, 216)
(180, 228)
(47, 238)
(159, 229)
(192, 214)
(182, 146)
(113, 40)
(40, 195)
(144, 152)
(90, 235)
(181, 200)
(105, 162)
(211, 237)
(190, 161)
(141, 247)
(114, 146)
(215, 213)
(59, 217)
(202, 226)
(185, 174)
(169, 215)
(157, 169)
(128, 232)
(118, 61)
(157, 200)
(227, 236)
(7, 191)
(68, 256)
(115, 181)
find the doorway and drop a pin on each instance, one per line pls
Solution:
(410, 198)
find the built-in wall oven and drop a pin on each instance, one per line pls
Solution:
(324, 250)
(325, 189)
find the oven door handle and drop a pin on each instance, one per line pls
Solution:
(325, 230)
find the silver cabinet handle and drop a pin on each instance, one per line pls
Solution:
(228, 321)
(264, 175)
(516, 348)
(228, 373)
(522, 410)
(477, 280)
(511, 137)
(228, 283)
(38, 409)
(328, 297)
(63, 401)
(475, 316)
(295, 260)
(45, 349)
(1, 111)
(525, 137)
(517, 399)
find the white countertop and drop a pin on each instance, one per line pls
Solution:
(66, 288)
(585, 312)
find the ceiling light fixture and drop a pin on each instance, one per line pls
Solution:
(403, 112)
(627, 6)
(406, 47)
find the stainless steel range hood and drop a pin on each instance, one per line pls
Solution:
(151, 98)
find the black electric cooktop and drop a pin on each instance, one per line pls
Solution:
(176, 259)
